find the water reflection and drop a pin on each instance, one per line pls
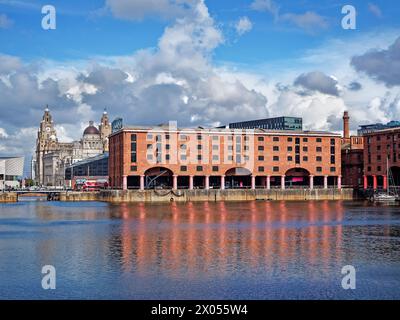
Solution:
(243, 243)
(221, 237)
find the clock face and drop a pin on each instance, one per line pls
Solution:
(48, 129)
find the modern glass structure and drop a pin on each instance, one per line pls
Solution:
(369, 128)
(279, 123)
(91, 167)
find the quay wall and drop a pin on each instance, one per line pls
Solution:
(208, 195)
(8, 197)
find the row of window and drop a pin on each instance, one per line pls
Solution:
(380, 137)
(378, 168)
(276, 169)
(216, 169)
(239, 158)
(389, 157)
(238, 138)
(245, 148)
(388, 147)
(297, 149)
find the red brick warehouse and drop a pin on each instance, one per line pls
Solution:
(381, 150)
(163, 156)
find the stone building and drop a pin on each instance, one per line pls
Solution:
(53, 156)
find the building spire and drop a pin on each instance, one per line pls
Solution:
(47, 108)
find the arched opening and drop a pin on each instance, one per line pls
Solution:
(237, 178)
(158, 177)
(297, 177)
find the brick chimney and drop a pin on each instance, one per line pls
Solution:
(346, 128)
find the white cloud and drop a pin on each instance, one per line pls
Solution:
(309, 21)
(9, 64)
(375, 10)
(5, 22)
(243, 25)
(265, 6)
(3, 133)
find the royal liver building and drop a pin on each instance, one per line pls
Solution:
(53, 156)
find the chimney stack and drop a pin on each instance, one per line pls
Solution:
(346, 128)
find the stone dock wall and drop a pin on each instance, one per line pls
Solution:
(8, 197)
(208, 195)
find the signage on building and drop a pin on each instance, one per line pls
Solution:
(116, 125)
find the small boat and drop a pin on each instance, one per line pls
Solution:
(384, 197)
(388, 196)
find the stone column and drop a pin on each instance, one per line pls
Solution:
(142, 182)
(253, 182)
(268, 182)
(222, 182)
(191, 182)
(124, 182)
(311, 182)
(339, 182)
(385, 185)
(365, 182)
(175, 182)
(325, 182)
(283, 182)
(207, 182)
(375, 183)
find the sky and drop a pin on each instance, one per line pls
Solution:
(199, 62)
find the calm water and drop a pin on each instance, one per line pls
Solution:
(253, 250)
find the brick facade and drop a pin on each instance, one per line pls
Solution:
(381, 148)
(207, 158)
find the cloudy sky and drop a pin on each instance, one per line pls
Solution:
(198, 62)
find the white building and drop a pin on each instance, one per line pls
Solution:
(11, 169)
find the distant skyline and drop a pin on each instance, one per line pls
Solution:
(197, 62)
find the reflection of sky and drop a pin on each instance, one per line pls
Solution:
(226, 250)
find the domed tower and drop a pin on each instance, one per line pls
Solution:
(92, 144)
(46, 142)
(105, 130)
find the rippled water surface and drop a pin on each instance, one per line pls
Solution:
(249, 250)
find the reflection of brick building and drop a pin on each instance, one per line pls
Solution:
(381, 149)
(144, 157)
(352, 156)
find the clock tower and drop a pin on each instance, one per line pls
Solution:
(105, 130)
(46, 142)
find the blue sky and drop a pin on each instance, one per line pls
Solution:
(85, 30)
(198, 62)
